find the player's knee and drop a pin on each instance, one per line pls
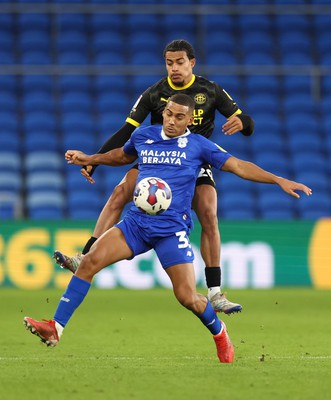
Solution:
(208, 217)
(87, 267)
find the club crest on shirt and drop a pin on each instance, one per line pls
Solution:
(200, 98)
(182, 142)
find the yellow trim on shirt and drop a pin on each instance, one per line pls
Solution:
(132, 122)
(181, 87)
(236, 113)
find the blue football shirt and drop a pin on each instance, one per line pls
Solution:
(177, 161)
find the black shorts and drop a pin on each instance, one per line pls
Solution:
(205, 176)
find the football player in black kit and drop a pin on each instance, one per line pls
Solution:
(209, 97)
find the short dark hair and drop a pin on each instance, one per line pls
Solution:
(180, 45)
(183, 100)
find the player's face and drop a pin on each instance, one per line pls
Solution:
(179, 67)
(176, 118)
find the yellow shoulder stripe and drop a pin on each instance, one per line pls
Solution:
(132, 122)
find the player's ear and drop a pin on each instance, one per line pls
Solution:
(193, 61)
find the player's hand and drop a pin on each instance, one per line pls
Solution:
(290, 187)
(232, 125)
(86, 174)
(76, 157)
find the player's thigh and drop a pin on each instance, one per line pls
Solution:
(108, 249)
(183, 281)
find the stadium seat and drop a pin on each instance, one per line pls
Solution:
(10, 161)
(322, 24)
(297, 58)
(41, 140)
(71, 41)
(277, 205)
(8, 83)
(71, 22)
(316, 206)
(44, 181)
(40, 22)
(252, 23)
(237, 205)
(266, 123)
(143, 22)
(252, 41)
(77, 122)
(318, 181)
(219, 41)
(45, 205)
(72, 57)
(109, 58)
(10, 206)
(85, 142)
(139, 84)
(110, 83)
(221, 23)
(44, 83)
(267, 142)
(35, 101)
(103, 42)
(6, 40)
(297, 85)
(78, 83)
(274, 161)
(298, 102)
(221, 58)
(308, 160)
(36, 57)
(261, 84)
(10, 181)
(8, 101)
(34, 40)
(76, 101)
(256, 57)
(84, 204)
(39, 121)
(43, 161)
(263, 102)
(292, 22)
(294, 41)
(113, 101)
(231, 183)
(107, 22)
(110, 122)
(300, 140)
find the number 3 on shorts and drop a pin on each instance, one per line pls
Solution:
(183, 240)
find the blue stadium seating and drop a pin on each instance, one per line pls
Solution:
(43, 115)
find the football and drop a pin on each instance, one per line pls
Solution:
(152, 195)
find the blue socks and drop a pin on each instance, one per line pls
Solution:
(71, 299)
(210, 320)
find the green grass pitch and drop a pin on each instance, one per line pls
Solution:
(142, 345)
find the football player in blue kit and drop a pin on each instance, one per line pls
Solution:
(210, 98)
(170, 152)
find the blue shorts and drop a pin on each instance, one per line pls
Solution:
(171, 250)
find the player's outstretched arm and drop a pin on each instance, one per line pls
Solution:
(114, 158)
(252, 172)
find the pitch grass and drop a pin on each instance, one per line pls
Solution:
(142, 345)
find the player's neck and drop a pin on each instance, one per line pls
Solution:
(184, 86)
